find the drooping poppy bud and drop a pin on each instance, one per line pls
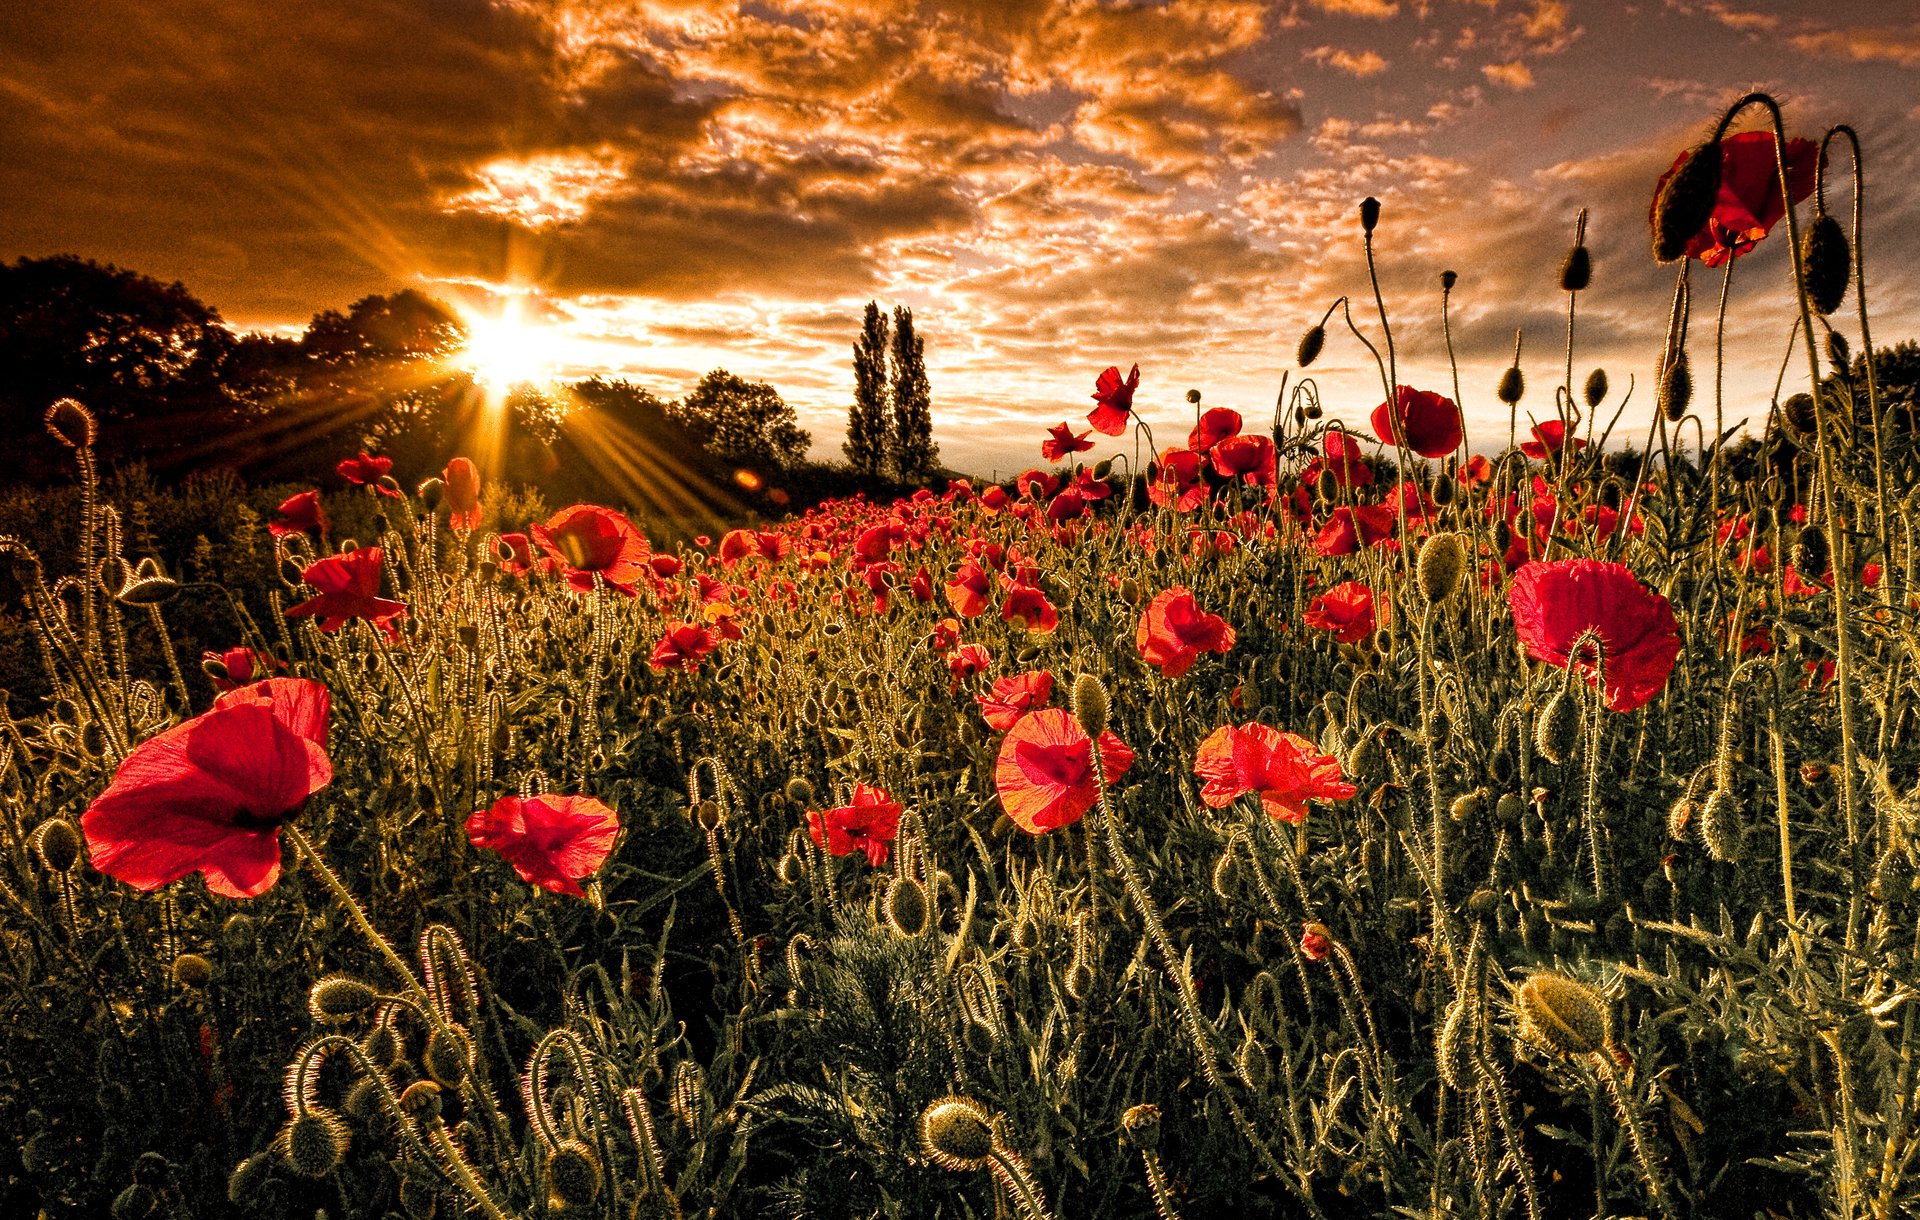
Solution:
(1829, 262)
(1685, 204)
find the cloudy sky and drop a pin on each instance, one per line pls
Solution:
(671, 186)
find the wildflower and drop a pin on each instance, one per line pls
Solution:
(1115, 401)
(666, 567)
(1285, 769)
(683, 646)
(946, 634)
(366, 471)
(967, 662)
(1069, 505)
(1351, 527)
(1174, 631)
(349, 585)
(1345, 461)
(1045, 773)
(1476, 472)
(1028, 603)
(869, 824)
(1315, 941)
(1749, 202)
(1554, 603)
(585, 540)
(210, 794)
(1218, 424)
(1346, 610)
(1246, 457)
(301, 514)
(1548, 438)
(1064, 441)
(463, 494)
(1013, 697)
(1179, 480)
(1427, 423)
(237, 667)
(554, 842)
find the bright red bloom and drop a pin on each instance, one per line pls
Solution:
(1478, 470)
(1749, 204)
(1091, 490)
(243, 667)
(1549, 437)
(209, 795)
(968, 661)
(301, 514)
(683, 646)
(1064, 441)
(969, 590)
(666, 567)
(994, 498)
(1045, 773)
(1250, 457)
(1115, 399)
(921, 585)
(367, 470)
(554, 842)
(1429, 423)
(1351, 527)
(1285, 769)
(1215, 426)
(1013, 697)
(1346, 459)
(585, 540)
(463, 494)
(869, 824)
(349, 585)
(1174, 631)
(1069, 505)
(1036, 484)
(1179, 480)
(1027, 602)
(946, 633)
(1315, 941)
(1555, 603)
(1346, 610)
(516, 556)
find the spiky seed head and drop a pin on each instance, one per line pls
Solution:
(72, 424)
(421, 1099)
(1596, 390)
(1676, 388)
(1829, 262)
(1577, 272)
(907, 906)
(248, 1179)
(956, 1133)
(574, 1173)
(1090, 705)
(1563, 1015)
(1443, 560)
(382, 1046)
(1448, 279)
(1142, 1125)
(1508, 808)
(192, 971)
(1512, 385)
(1369, 214)
(316, 1142)
(1310, 345)
(1686, 202)
(1556, 731)
(339, 997)
(1811, 556)
(445, 1057)
(799, 791)
(1720, 827)
(57, 843)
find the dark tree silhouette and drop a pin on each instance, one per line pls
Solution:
(915, 456)
(870, 419)
(746, 422)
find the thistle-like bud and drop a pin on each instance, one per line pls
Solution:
(316, 1142)
(1800, 415)
(1255, 1068)
(72, 424)
(1676, 388)
(907, 906)
(1090, 705)
(1369, 214)
(792, 868)
(1310, 345)
(1451, 1046)
(1556, 731)
(432, 491)
(146, 584)
(574, 1173)
(956, 1133)
(1679, 817)
(799, 791)
(1829, 262)
(445, 1057)
(1512, 385)
(1142, 1125)
(1026, 934)
(136, 1202)
(979, 1038)
(421, 1099)
(1686, 202)
(1562, 1015)
(1508, 809)
(1577, 272)
(57, 843)
(1811, 556)
(1443, 560)
(192, 971)
(339, 997)
(1596, 390)
(248, 1179)
(1720, 827)
(1839, 354)
(1466, 806)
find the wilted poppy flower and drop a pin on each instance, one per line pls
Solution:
(1351, 527)
(240, 667)
(349, 585)
(1215, 426)
(1549, 437)
(209, 795)
(463, 494)
(1045, 773)
(1429, 422)
(869, 824)
(1063, 441)
(554, 842)
(1013, 697)
(1285, 769)
(1026, 602)
(1179, 480)
(1749, 203)
(1554, 603)
(1346, 610)
(367, 470)
(585, 540)
(1115, 399)
(1174, 631)
(1249, 457)
(301, 514)
(683, 646)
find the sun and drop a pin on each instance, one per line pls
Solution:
(505, 349)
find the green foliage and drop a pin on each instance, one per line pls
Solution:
(744, 422)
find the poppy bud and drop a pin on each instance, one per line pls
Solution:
(1508, 808)
(147, 584)
(907, 907)
(71, 424)
(1079, 980)
(1193, 396)
(382, 1046)
(1829, 262)
(1720, 826)
(338, 997)
(1562, 1015)
(1443, 559)
(432, 491)
(445, 1057)
(1310, 345)
(1839, 354)
(1676, 388)
(216, 669)
(1512, 386)
(1311, 411)
(1811, 773)
(468, 635)
(1556, 731)
(1686, 203)
(1448, 279)
(57, 844)
(1466, 805)
(1811, 558)
(1255, 1068)
(792, 868)
(1369, 214)
(421, 1099)
(1577, 272)
(192, 971)
(1326, 487)
(707, 813)
(1316, 941)
(1679, 817)
(979, 1037)
(136, 1202)
(1090, 705)
(1482, 901)
(575, 1175)
(236, 935)
(1596, 390)
(1142, 1125)
(1102, 469)
(1366, 756)
(1443, 492)
(316, 1142)
(1026, 935)
(247, 1180)
(1450, 1048)
(1502, 536)
(956, 1133)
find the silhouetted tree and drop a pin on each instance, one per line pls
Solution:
(870, 419)
(746, 422)
(915, 456)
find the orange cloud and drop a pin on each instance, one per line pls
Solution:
(1516, 75)
(1379, 10)
(1363, 63)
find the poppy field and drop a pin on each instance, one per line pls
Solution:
(1330, 814)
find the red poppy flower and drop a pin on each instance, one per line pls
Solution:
(1285, 769)
(367, 470)
(1174, 631)
(1036, 484)
(554, 842)
(946, 633)
(1179, 480)
(994, 498)
(1478, 470)
(869, 824)
(683, 646)
(1025, 601)
(1013, 697)
(1749, 203)
(666, 567)
(1215, 426)
(1248, 457)
(969, 589)
(1549, 437)
(1429, 423)
(967, 662)
(1045, 773)
(1555, 603)
(1315, 941)
(209, 795)
(1115, 399)
(1346, 459)
(301, 514)
(921, 585)
(242, 667)
(1349, 528)
(1064, 441)
(1091, 490)
(585, 539)
(1346, 610)
(463, 494)
(349, 585)
(516, 555)
(1069, 505)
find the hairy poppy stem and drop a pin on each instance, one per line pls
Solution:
(355, 914)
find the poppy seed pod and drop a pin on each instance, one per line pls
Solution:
(1369, 214)
(71, 424)
(1090, 705)
(1686, 203)
(1310, 345)
(57, 843)
(1811, 556)
(907, 906)
(1562, 1015)
(1556, 731)
(1829, 263)
(956, 1133)
(574, 1173)
(316, 1142)
(1512, 385)
(1596, 390)
(1443, 559)
(1720, 826)
(1577, 272)
(338, 997)
(1676, 388)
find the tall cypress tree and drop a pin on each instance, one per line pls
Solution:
(870, 419)
(914, 453)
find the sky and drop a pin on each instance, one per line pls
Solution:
(665, 187)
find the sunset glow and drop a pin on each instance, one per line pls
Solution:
(506, 349)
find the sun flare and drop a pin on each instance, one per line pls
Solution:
(506, 349)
